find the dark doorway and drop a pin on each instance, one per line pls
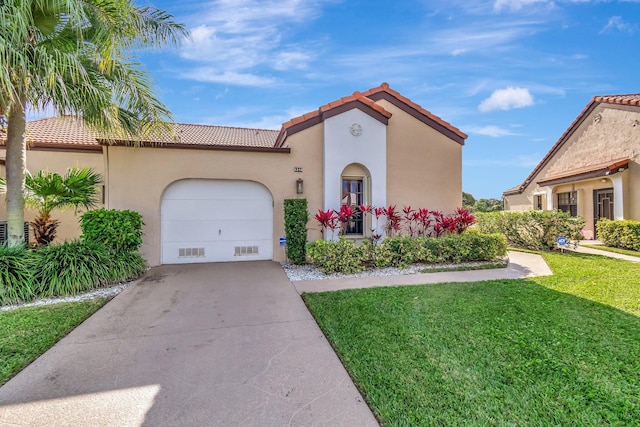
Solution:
(602, 206)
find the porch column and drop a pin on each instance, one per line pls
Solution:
(618, 196)
(549, 198)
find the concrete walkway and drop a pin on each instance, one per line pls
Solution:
(228, 344)
(520, 265)
(582, 249)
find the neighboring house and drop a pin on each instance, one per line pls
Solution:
(593, 170)
(216, 193)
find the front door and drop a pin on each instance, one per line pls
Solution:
(602, 205)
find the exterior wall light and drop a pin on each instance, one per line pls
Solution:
(299, 186)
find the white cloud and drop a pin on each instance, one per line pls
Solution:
(493, 131)
(241, 38)
(213, 75)
(457, 52)
(506, 99)
(514, 5)
(616, 23)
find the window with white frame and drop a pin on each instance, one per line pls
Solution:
(568, 202)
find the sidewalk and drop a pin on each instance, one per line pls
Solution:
(583, 250)
(521, 265)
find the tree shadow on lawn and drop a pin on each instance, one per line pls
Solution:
(494, 352)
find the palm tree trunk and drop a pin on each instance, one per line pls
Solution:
(16, 166)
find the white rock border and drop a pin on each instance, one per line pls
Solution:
(109, 292)
(297, 273)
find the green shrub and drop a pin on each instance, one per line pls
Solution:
(120, 230)
(533, 229)
(16, 277)
(125, 266)
(295, 226)
(623, 234)
(398, 251)
(342, 256)
(71, 268)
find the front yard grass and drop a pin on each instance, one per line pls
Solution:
(28, 332)
(556, 350)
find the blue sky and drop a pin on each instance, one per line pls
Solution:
(512, 74)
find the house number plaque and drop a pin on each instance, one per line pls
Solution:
(297, 169)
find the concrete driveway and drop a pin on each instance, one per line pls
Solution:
(192, 345)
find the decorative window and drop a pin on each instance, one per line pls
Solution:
(355, 192)
(353, 195)
(568, 202)
(537, 201)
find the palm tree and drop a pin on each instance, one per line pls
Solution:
(72, 56)
(46, 191)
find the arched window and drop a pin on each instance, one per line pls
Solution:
(355, 191)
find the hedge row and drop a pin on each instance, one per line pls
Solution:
(533, 229)
(344, 256)
(623, 234)
(65, 269)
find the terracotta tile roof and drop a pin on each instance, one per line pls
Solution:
(61, 131)
(606, 168)
(384, 87)
(318, 115)
(70, 132)
(629, 99)
(368, 99)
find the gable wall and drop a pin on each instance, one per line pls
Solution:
(341, 149)
(424, 167)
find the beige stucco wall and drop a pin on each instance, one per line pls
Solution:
(56, 161)
(609, 133)
(424, 167)
(139, 176)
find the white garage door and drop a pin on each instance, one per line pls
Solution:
(216, 220)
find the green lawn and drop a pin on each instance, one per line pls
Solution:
(557, 350)
(28, 332)
(611, 249)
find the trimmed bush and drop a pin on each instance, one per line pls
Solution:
(16, 277)
(342, 256)
(296, 217)
(624, 234)
(120, 230)
(533, 229)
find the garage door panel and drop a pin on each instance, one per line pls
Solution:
(216, 220)
(193, 189)
(201, 210)
(216, 230)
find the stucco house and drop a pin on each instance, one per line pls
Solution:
(216, 193)
(593, 170)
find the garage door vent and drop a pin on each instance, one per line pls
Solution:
(191, 252)
(246, 250)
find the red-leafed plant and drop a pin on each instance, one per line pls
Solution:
(423, 218)
(463, 220)
(327, 220)
(409, 218)
(394, 220)
(346, 214)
